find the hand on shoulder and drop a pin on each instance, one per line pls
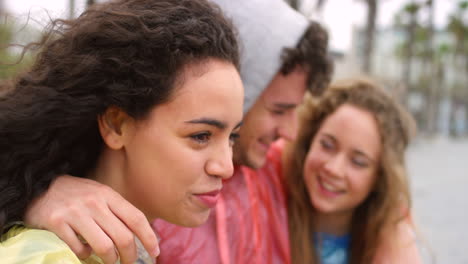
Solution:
(74, 208)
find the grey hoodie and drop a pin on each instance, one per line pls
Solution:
(265, 27)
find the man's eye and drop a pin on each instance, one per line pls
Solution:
(278, 112)
(201, 137)
(233, 137)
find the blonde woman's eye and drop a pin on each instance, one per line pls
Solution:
(360, 162)
(326, 144)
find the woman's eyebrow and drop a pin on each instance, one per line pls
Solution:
(329, 136)
(208, 121)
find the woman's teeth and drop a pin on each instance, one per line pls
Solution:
(329, 187)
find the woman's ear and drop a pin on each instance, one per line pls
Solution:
(113, 126)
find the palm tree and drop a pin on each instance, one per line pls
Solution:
(459, 30)
(90, 2)
(368, 47)
(434, 84)
(372, 7)
(407, 19)
(71, 10)
(296, 4)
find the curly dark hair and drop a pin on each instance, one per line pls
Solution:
(129, 54)
(311, 53)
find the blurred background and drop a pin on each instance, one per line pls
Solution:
(418, 49)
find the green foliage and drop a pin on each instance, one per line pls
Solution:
(463, 5)
(412, 8)
(443, 50)
(403, 18)
(10, 62)
(11, 65)
(5, 34)
(458, 26)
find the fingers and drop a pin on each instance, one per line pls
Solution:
(82, 250)
(122, 237)
(100, 215)
(113, 232)
(137, 223)
(98, 240)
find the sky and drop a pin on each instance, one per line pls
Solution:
(339, 16)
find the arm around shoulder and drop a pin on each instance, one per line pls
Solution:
(73, 206)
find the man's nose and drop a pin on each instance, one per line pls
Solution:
(288, 127)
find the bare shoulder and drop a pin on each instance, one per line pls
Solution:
(399, 245)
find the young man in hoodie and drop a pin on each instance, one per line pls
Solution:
(282, 56)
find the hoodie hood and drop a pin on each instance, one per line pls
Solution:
(265, 27)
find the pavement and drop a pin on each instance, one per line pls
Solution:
(438, 170)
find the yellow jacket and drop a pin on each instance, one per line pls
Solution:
(22, 245)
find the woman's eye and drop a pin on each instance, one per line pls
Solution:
(326, 144)
(201, 137)
(360, 162)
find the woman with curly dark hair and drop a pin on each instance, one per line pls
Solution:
(143, 96)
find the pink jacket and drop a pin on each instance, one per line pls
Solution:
(248, 225)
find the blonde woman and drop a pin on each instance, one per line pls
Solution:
(346, 179)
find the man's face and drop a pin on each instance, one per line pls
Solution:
(271, 117)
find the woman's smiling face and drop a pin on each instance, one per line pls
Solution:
(341, 166)
(176, 158)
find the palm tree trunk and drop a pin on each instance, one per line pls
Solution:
(409, 54)
(370, 32)
(434, 92)
(71, 9)
(90, 2)
(294, 4)
(2, 9)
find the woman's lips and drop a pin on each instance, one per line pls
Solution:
(329, 190)
(209, 198)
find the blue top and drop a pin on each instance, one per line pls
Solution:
(332, 249)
